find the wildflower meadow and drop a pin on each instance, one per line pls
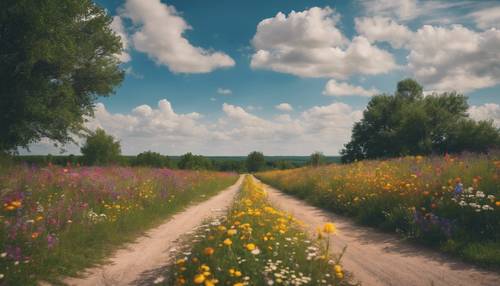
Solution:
(449, 202)
(257, 244)
(57, 220)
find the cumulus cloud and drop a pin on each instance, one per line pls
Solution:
(119, 29)
(224, 91)
(383, 29)
(284, 107)
(487, 18)
(159, 32)
(336, 88)
(442, 57)
(488, 111)
(237, 131)
(309, 44)
(455, 58)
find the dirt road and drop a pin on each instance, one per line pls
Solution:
(141, 262)
(382, 259)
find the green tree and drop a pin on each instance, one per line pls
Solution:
(56, 58)
(101, 149)
(317, 158)
(409, 124)
(151, 159)
(194, 162)
(255, 161)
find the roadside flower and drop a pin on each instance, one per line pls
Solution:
(199, 278)
(208, 251)
(227, 242)
(337, 268)
(250, 246)
(329, 228)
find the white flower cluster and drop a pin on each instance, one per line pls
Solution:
(95, 217)
(277, 273)
(475, 199)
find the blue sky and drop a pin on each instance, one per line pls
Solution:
(321, 63)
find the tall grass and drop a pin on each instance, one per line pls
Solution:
(56, 221)
(448, 202)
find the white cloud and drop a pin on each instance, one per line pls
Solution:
(236, 132)
(130, 71)
(455, 58)
(335, 88)
(284, 107)
(488, 111)
(407, 10)
(308, 44)
(117, 27)
(383, 29)
(224, 91)
(401, 9)
(487, 18)
(442, 57)
(159, 33)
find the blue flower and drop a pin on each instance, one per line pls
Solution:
(459, 189)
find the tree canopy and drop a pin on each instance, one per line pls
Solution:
(407, 123)
(151, 159)
(194, 162)
(101, 149)
(56, 58)
(255, 161)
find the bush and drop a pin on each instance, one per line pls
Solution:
(101, 149)
(152, 159)
(194, 162)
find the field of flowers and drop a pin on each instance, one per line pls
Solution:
(448, 202)
(55, 221)
(256, 244)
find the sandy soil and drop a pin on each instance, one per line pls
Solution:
(377, 258)
(140, 263)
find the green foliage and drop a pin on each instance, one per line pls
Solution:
(255, 161)
(194, 162)
(56, 58)
(410, 124)
(317, 158)
(101, 149)
(151, 159)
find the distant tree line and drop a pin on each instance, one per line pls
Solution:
(101, 149)
(409, 123)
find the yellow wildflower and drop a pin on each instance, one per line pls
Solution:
(329, 228)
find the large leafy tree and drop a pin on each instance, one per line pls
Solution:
(101, 149)
(56, 58)
(407, 123)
